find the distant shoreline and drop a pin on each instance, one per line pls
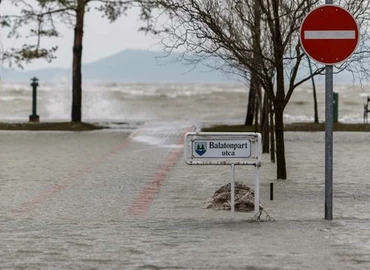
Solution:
(84, 126)
(50, 126)
(295, 127)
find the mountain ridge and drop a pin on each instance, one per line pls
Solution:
(142, 66)
(127, 66)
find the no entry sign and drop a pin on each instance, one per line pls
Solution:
(329, 34)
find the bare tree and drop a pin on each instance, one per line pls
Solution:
(226, 29)
(316, 112)
(255, 85)
(41, 18)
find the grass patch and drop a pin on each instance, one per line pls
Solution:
(50, 126)
(307, 127)
(228, 128)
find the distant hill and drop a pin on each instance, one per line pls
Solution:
(141, 66)
(127, 66)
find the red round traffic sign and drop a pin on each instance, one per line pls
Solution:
(329, 34)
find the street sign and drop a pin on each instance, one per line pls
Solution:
(226, 148)
(204, 148)
(221, 148)
(329, 34)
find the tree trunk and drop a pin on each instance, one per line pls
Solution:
(280, 146)
(265, 125)
(315, 102)
(272, 137)
(279, 106)
(254, 84)
(279, 102)
(256, 114)
(251, 103)
(77, 63)
(314, 92)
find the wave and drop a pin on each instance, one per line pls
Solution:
(168, 101)
(136, 90)
(15, 98)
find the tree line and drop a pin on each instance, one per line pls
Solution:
(259, 41)
(256, 39)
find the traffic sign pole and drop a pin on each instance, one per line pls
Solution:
(329, 138)
(329, 34)
(329, 142)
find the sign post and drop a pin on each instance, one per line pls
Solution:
(329, 34)
(226, 148)
(232, 190)
(328, 142)
(329, 138)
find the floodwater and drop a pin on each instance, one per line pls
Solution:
(125, 199)
(110, 200)
(169, 102)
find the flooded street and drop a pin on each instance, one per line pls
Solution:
(123, 198)
(119, 199)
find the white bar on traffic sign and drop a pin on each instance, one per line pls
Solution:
(326, 34)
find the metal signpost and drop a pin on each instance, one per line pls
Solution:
(226, 148)
(329, 35)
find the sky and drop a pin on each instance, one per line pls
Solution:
(101, 38)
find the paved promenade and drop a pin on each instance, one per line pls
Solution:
(117, 199)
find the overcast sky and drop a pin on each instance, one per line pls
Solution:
(101, 39)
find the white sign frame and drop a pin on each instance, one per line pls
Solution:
(253, 138)
(228, 140)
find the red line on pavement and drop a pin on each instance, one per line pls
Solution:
(141, 205)
(52, 190)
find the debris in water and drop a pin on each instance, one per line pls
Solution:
(244, 198)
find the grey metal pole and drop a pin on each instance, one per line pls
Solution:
(329, 139)
(232, 189)
(329, 142)
(257, 191)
